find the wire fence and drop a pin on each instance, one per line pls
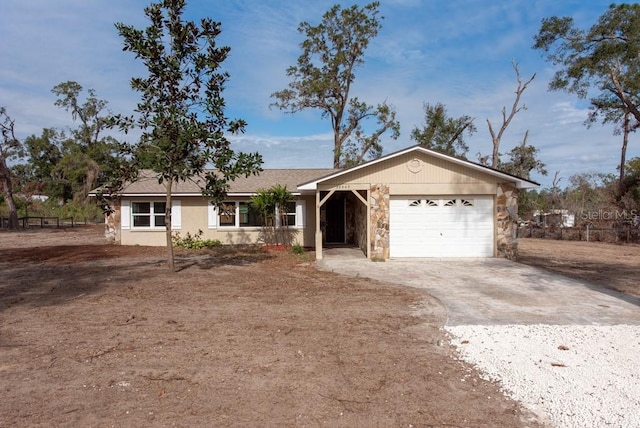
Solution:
(50, 222)
(622, 234)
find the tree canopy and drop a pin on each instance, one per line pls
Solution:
(323, 76)
(442, 133)
(522, 160)
(181, 111)
(602, 63)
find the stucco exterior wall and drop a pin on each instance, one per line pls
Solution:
(194, 213)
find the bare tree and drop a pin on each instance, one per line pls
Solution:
(10, 148)
(506, 119)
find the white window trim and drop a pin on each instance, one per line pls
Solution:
(300, 215)
(176, 214)
(212, 216)
(236, 215)
(125, 214)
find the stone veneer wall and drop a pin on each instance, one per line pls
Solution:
(112, 223)
(507, 221)
(360, 214)
(379, 222)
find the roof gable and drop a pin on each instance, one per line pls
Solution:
(419, 150)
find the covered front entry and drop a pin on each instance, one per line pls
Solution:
(441, 226)
(342, 219)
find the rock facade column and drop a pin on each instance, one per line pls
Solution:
(379, 222)
(112, 222)
(507, 221)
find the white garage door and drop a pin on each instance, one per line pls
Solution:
(452, 226)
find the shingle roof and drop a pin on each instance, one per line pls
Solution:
(147, 182)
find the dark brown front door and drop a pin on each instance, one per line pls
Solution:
(335, 221)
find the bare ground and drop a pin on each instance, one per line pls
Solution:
(100, 335)
(614, 266)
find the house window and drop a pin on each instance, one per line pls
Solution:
(148, 214)
(227, 214)
(242, 214)
(414, 203)
(431, 203)
(466, 202)
(450, 203)
(238, 214)
(289, 217)
(249, 217)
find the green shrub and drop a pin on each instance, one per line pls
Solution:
(194, 242)
(297, 249)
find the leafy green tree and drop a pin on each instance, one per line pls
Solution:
(273, 203)
(604, 59)
(323, 77)
(89, 157)
(587, 192)
(522, 160)
(630, 198)
(10, 149)
(181, 111)
(442, 133)
(44, 153)
(264, 203)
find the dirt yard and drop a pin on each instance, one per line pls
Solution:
(99, 335)
(609, 265)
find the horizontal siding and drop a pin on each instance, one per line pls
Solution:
(398, 170)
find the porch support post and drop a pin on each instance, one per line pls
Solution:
(318, 231)
(368, 205)
(369, 223)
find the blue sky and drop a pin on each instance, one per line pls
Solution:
(457, 52)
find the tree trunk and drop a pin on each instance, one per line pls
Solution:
(337, 150)
(7, 192)
(167, 222)
(623, 153)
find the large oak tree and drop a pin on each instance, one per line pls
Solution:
(602, 63)
(323, 77)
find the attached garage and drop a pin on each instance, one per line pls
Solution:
(418, 203)
(441, 226)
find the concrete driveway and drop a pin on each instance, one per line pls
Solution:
(496, 291)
